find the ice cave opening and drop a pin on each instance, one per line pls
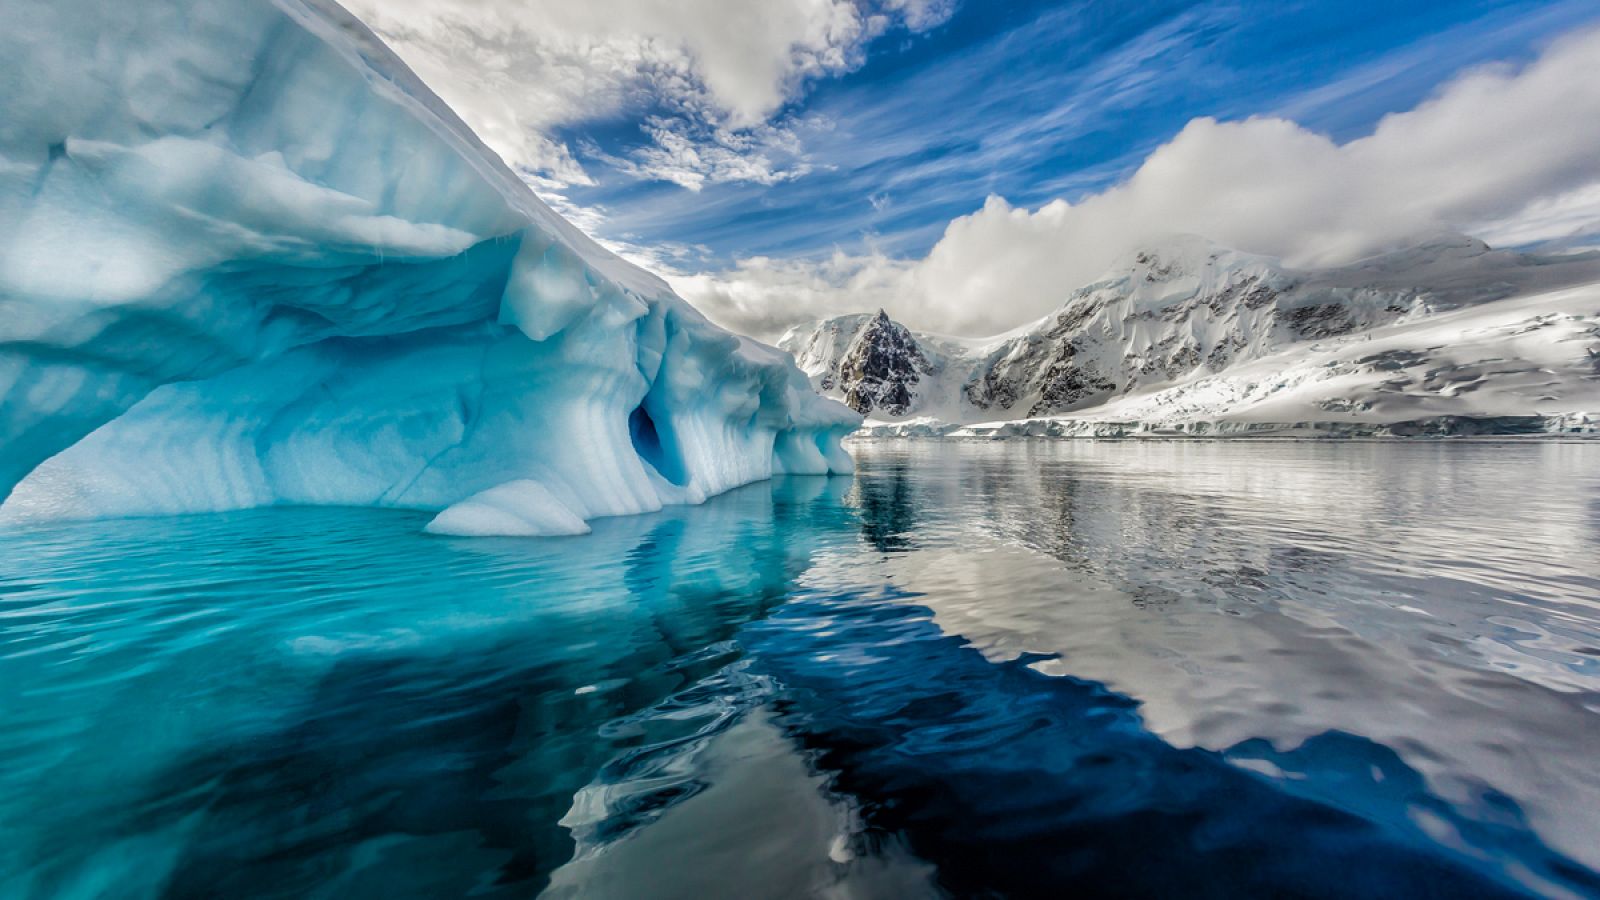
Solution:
(659, 455)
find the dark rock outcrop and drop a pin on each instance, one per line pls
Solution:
(882, 367)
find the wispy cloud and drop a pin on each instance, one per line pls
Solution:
(692, 153)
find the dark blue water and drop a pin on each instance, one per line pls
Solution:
(1008, 669)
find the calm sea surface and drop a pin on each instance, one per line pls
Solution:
(1045, 669)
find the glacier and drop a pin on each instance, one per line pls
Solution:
(247, 258)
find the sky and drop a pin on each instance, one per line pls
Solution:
(966, 164)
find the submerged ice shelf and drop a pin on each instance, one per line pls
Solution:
(247, 258)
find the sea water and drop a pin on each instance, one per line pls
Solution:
(1022, 668)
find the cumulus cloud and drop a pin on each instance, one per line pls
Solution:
(1508, 154)
(515, 70)
(762, 297)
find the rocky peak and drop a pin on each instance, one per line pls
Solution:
(881, 367)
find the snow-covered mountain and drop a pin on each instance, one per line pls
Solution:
(248, 258)
(870, 362)
(1190, 336)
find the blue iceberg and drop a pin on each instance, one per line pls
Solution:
(248, 258)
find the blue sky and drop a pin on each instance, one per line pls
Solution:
(965, 164)
(1034, 101)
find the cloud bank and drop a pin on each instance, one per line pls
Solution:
(1512, 155)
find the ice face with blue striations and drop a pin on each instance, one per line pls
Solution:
(247, 258)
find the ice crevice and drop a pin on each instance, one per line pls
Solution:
(246, 258)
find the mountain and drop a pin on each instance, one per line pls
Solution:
(1188, 336)
(248, 258)
(876, 363)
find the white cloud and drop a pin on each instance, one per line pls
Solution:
(517, 69)
(691, 154)
(763, 296)
(1569, 218)
(921, 15)
(1499, 152)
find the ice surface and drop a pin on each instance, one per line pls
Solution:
(247, 258)
(521, 508)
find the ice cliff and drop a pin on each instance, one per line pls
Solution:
(247, 258)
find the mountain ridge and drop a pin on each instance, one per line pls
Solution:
(1177, 316)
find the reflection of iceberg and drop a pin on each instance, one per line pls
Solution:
(420, 728)
(248, 258)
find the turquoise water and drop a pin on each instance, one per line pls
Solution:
(1024, 669)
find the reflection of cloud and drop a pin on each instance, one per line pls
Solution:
(1281, 614)
(747, 807)
(990, 770)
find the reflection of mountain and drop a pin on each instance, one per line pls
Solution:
(888, 510)
(1447, 336)
(1231, 590)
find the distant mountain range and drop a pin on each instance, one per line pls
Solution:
(1446, 337)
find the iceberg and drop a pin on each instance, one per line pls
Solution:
(248, 258)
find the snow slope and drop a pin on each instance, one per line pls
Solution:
(1188, 337)
(1526, 365)
(247, 258)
